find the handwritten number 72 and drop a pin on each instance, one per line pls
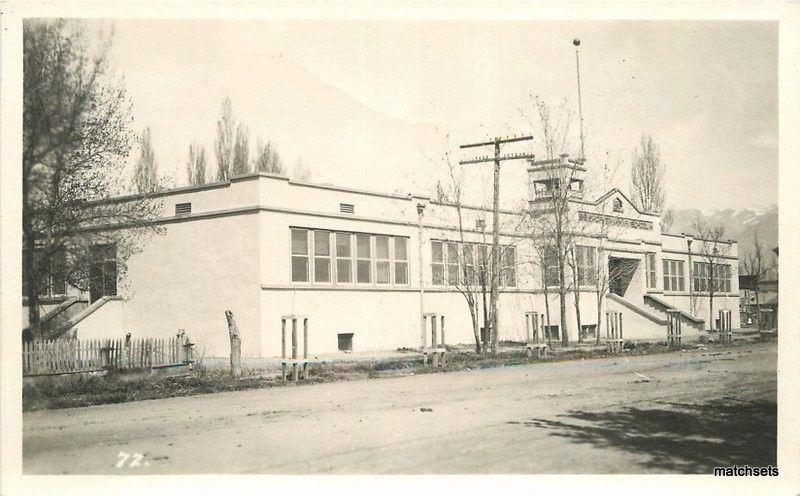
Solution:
(135, 461)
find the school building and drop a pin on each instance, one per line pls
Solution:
(363, 266)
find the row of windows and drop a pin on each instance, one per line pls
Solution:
(469, 264)
(585, 265)
(328, 256)
(702, 277)
(711, 277)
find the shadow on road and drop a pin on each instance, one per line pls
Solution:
(680, 438)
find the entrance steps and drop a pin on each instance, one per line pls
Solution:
(55, 322)
(649, 321)
(660, 307)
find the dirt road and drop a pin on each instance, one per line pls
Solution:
(679, 412)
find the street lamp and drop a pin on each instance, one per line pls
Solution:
(420, 213)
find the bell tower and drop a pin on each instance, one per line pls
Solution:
(554, 179)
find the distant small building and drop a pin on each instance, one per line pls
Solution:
(767, 299)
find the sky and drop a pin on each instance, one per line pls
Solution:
(377, 104)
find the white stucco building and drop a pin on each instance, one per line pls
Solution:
(264, 246)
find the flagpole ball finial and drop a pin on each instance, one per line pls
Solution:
(576, 42)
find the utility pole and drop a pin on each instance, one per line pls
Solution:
(497, 159)
(577, 43)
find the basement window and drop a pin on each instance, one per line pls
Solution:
(183, 208)
(347, 208)
(345, 342)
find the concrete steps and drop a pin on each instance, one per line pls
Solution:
(660, 307)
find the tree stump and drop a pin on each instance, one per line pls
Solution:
(236, 345)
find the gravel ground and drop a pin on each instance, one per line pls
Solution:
(682, 412)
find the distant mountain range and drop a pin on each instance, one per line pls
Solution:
(740, 225)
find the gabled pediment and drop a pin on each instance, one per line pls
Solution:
(615, 202)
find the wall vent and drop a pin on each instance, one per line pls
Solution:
(345, 341)
(183, 208)
(347, 208)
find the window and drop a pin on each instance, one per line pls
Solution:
(103, 272)
(482, 265)
(57, 278)
(52, 276)
(322, 256)
(347, 208)
(550, 266)
(673, 275)
(299, 255)
(344, 253)
(382, 263)
(452, 264)
(437, 263)
(470, 264)
(723, 278)
(509, 264)
(585, 263)
(650, 270)
(617, 205)
(400, 261)
(699, 277)
(363, 258)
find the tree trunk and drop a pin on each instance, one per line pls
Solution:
(32, 291)
(486, 322)
(758, 308)
(599, 318)
(236, 345)
(577, 306)
(711, 311)
(562, 300)
(476, 330)
(547, 313)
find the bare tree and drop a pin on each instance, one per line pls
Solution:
(469, 267)
(301, 172)
(267, 159)
(667, 220)
(241, 152)
(712, 273)
(472, 281)
(76, 138)
(551, 213)
(541, 269)
(196, 165)
(575, 258)
(224, 143)
(146, 176)
(647, 177)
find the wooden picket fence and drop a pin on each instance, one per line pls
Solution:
(64, 356)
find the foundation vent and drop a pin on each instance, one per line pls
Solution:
(347, 208)
(183, 208)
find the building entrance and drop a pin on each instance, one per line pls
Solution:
(620, 273)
